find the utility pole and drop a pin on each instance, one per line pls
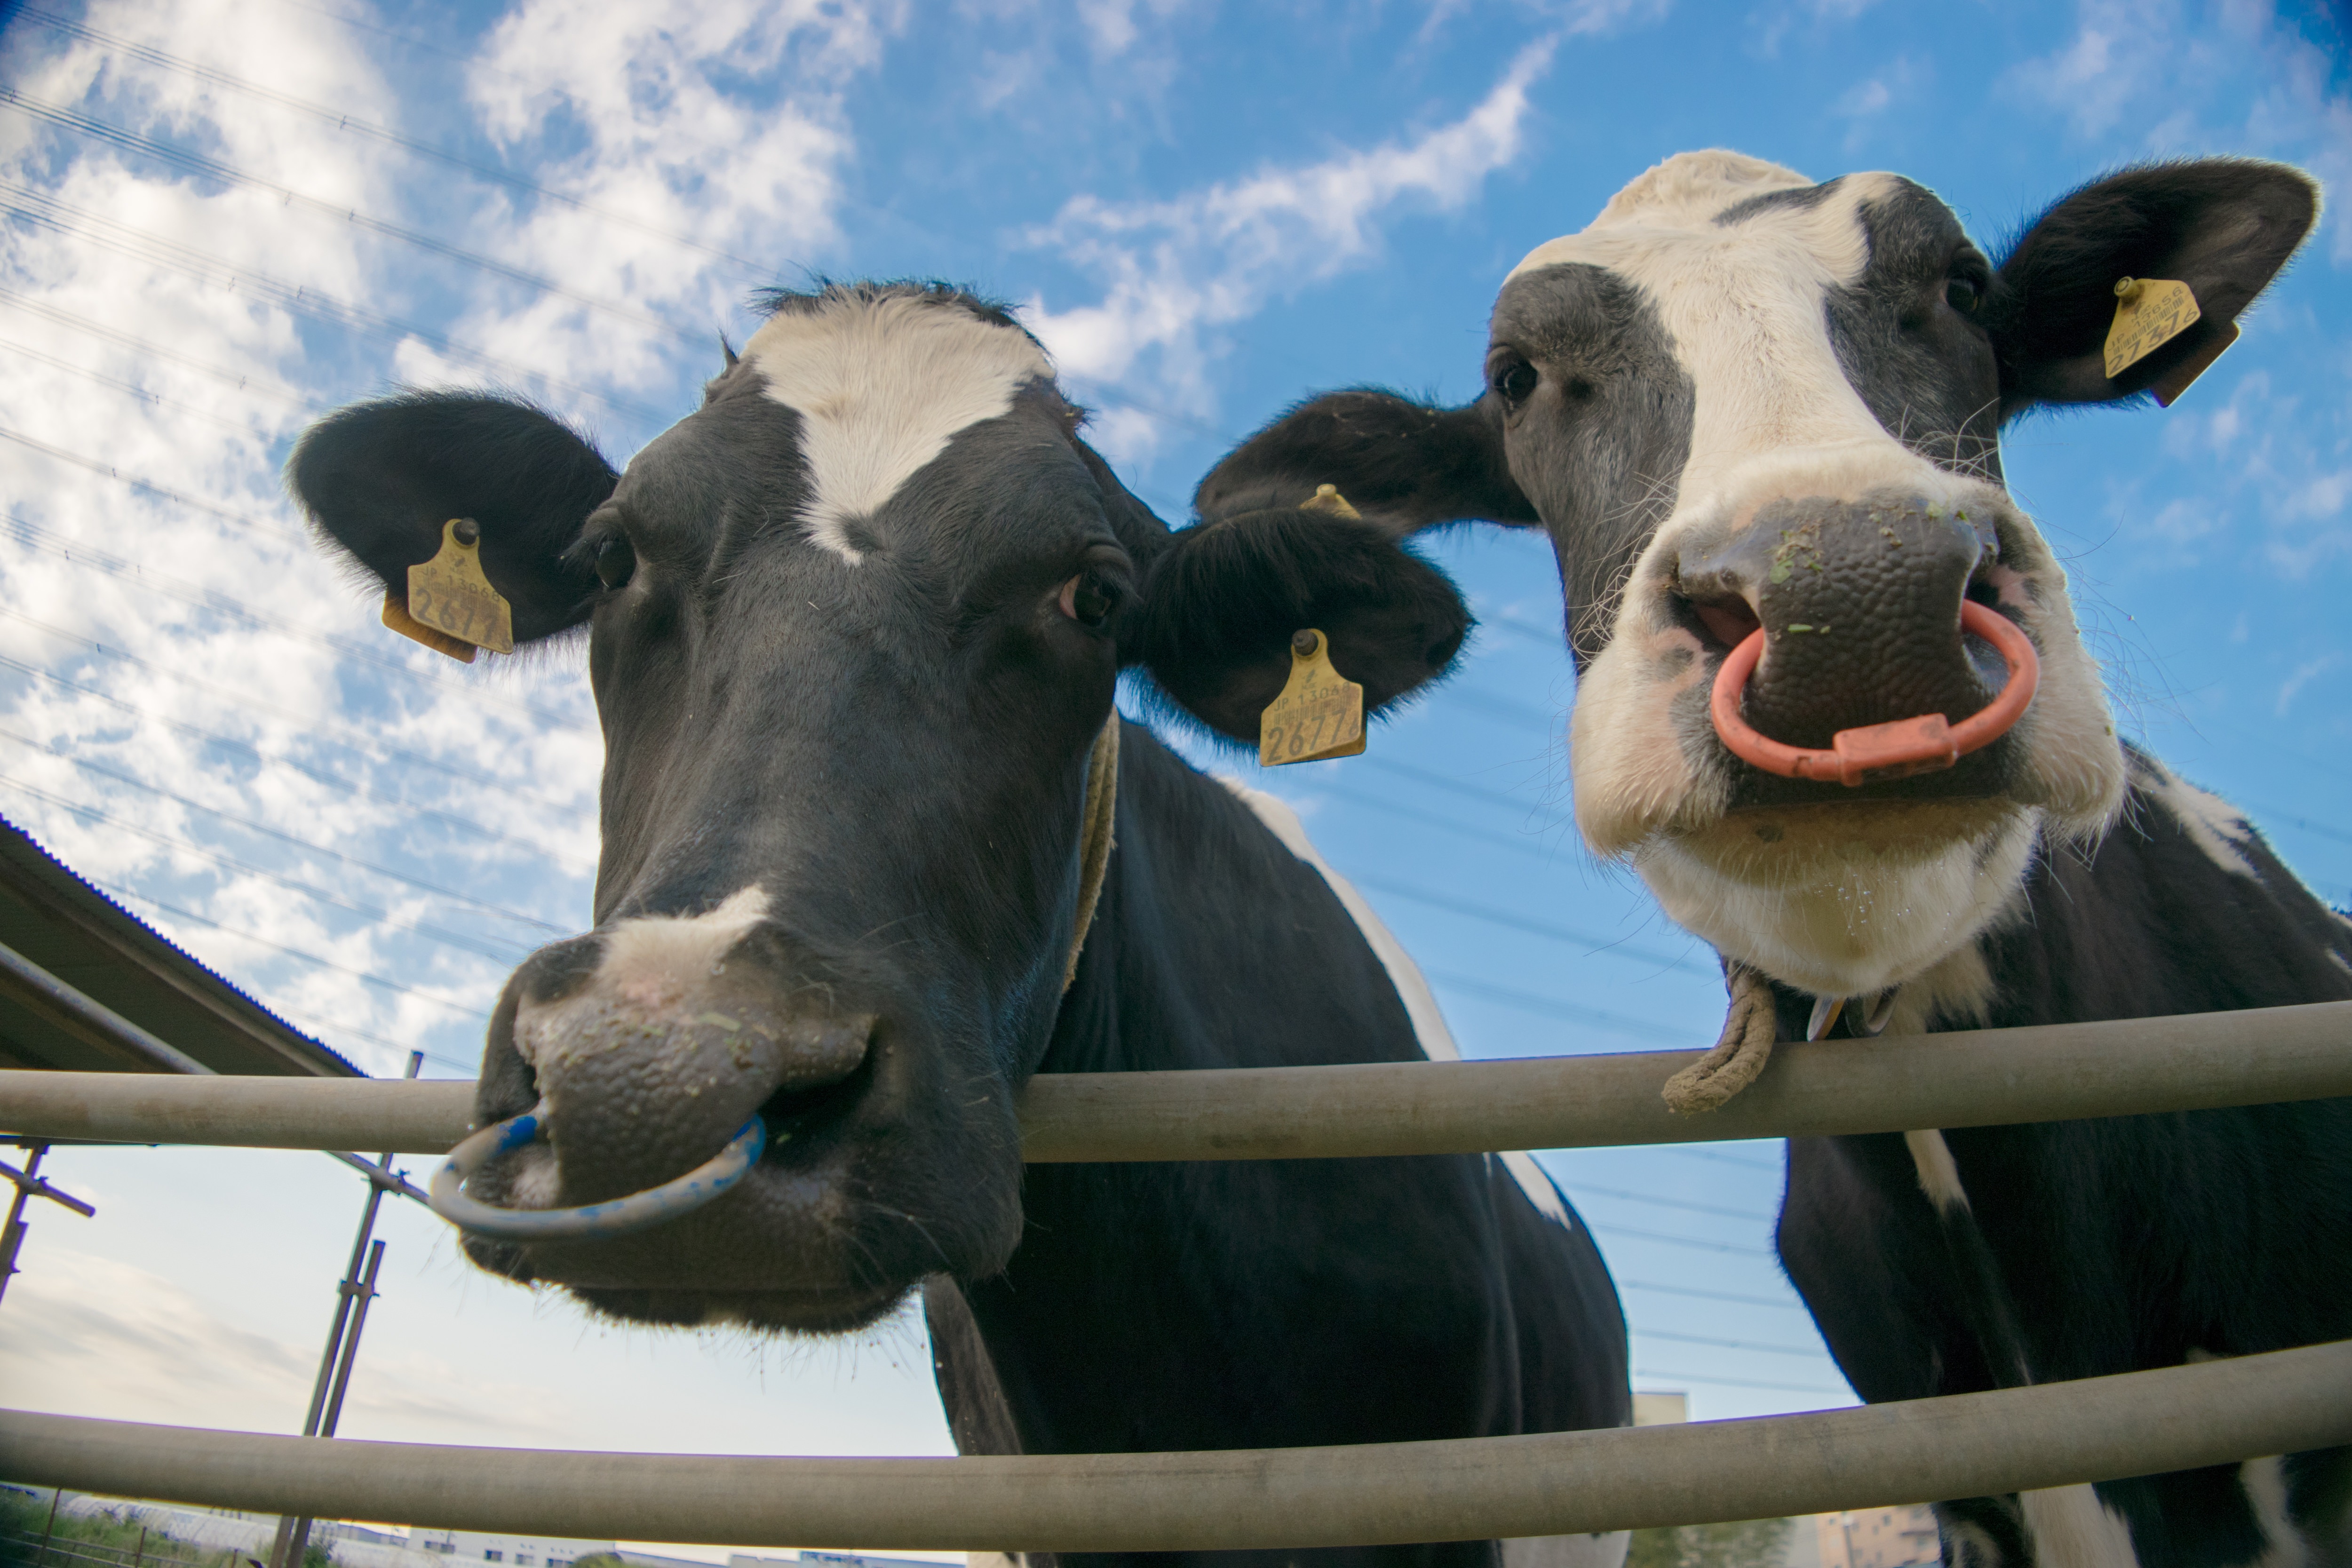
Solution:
(353, 1294)
(29, 1185)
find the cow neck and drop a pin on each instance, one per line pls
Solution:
(1095, 840)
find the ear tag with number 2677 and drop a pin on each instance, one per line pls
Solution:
(1320, 712)
(2149, 313)
(450, 605)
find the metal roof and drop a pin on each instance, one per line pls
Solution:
(59, 921)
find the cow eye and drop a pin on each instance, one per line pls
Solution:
(617, 561)
(1089, 600)
(1963, 294)
(1514, 380)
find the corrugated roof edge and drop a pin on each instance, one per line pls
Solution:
(23, 850)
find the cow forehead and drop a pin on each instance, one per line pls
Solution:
(882, 386)
(1725, 232)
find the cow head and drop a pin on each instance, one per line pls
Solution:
(1740, 399)
(853, 627)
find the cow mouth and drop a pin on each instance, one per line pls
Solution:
(847, 1209)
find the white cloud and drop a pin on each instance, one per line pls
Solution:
(1178, 270)
(718, 121)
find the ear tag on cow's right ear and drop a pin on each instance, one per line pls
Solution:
(2149, 313)
(1319, 714)
(1328, 498)
(450, 596)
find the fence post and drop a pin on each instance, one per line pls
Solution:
(51, 1528)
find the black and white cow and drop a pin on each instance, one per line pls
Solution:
(853, 627)
(1741, 400)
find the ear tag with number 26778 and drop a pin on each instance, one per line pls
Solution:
(1320, 712)
(450, 605)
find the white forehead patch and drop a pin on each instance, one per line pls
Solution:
(881, 386)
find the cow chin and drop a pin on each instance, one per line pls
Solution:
(1848, 897)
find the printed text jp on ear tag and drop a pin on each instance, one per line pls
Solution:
(1319, 714)
(450, 595)
(2149, 313)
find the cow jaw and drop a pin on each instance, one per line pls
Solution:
(1845, 899)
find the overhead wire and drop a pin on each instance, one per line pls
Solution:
(155, 399)
(318, 726)
(122, 891)
(354, 787)
(1553, 1007)
(143, 244)
(252, 826)
(1736, 1382)
(89, 328)
(514, 953)
(223, 603)
(342, 121)
(1594, 946)
(65, 118)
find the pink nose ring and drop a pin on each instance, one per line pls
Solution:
(1893, 751)
(621, 1216)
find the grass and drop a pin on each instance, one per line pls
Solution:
(99, 1540)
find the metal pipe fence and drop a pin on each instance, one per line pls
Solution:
(1965, 1078)
(1556, 1483)
(1551, 1483)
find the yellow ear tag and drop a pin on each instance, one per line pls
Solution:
(1319, 714)
(1328, 497)
(449, 596)
(2149, 313)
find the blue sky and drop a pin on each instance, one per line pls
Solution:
(226, 215)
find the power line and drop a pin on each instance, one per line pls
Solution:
(1807, 1352)
(317, 726)
(1670, 1203)
(514, 954)
(1736, 1382)
(1680, 1240)
(1723, 1159)
(131, 387)
(1552, 1007)
(1594, 946)
(142, 245)
(221, 603)
(252, 826)
(120, 892)
(149, 55)
(1713, 1295)
(1476, 792)
(109, 471)
(154, 350)
(333, 781)
(65, 118)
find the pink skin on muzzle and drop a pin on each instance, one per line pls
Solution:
(1891, 751)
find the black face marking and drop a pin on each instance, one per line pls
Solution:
(1801, 197)
(1922, 365)
(1600, 428)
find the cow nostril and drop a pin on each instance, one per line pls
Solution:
(804, 1102)
(1727, 620)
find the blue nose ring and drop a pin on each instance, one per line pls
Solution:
(620, 1216)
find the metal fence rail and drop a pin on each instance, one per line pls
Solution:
(1961, 1080)
(1555, 1483)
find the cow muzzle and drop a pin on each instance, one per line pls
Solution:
(1863, 642)
(658, 1083)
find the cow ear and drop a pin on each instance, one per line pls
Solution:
(381, 479)
(1402, 465)
(2223, 225)
(1223, 599)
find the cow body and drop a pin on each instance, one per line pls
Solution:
(854, 630)
(1751, 410)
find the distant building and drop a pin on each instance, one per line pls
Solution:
(506, 1551)
(1663, 1410)
(1879, 1537)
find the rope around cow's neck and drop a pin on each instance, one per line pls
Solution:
(1095, 837)
(658, 1206)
